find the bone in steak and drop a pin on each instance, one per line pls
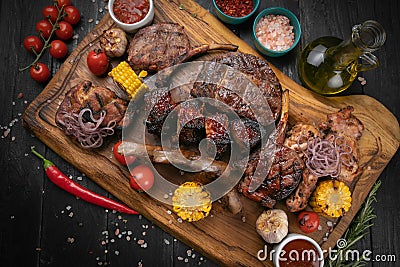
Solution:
(159, 46)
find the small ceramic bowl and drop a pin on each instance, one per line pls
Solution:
(290, 237)
(234, 20)
(293, 22)
(133, 27)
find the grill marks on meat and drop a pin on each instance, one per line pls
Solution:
(340, 124)
(159, 46)
(246, 132)
(97, 98)
(283, 177)
(259, 72)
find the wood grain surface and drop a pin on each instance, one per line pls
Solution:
(222, 237)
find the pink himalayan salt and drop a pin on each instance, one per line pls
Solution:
(275, 32)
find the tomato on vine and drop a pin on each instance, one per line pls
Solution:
(58, 49)
(50, 12)
(61, 3)
(33, 42)
(72, 15)
(39, 72)
(65, 31)
(44, 26)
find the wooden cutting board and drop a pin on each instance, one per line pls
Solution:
(225, 238)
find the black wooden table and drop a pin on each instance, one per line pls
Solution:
(41, 225)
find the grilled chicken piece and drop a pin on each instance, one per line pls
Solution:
(159, 46)
(97, 98)
(298, 135)
(343, 123)
(299, 199)
(191, 122)
(217, 131)
(161, 104)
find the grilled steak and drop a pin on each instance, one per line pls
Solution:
(159, 46)
(283, 177)
(260, 73)
(248, 134)
(97, 98)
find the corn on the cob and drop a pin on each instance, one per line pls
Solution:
(191, 201)
(125, 77)
(331, 198)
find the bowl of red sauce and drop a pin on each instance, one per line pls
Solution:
(298, 250)
(131, 15)
(235, 11)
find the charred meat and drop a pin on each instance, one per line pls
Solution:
(161, 104)
(97, 99)
(159, 46)
(217, 131)
(191, 125)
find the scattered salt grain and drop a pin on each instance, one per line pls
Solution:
(140, 242)
(116, 231)
(70, 240)
(90, 20)
(180, 220)
(180, 258)
(128, 238)
(275, 32)
(186, 260)
(116, 252)
(166, 241)
(319, 228)
(329, 223)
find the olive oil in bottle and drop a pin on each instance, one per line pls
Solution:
(329, 65)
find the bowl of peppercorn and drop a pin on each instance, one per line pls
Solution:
(235, 11)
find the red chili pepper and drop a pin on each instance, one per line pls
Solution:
(61, 180)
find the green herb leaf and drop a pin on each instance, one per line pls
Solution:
(356, 231)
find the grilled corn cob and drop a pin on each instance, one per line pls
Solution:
(191, 201)
(331, 198)
(125, 77)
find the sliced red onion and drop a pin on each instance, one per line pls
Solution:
(88, 133)
(324, 158)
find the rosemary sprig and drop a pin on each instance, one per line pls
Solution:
(47, 41)
(357, 230)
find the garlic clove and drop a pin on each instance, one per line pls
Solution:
(272, 225)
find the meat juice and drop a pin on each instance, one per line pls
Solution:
(131, 11)
(299, 253)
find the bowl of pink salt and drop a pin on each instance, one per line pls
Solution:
(276, 31)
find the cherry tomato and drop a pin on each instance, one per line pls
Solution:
(58, 49)
(97, 62)
(50, 12)
(39, 72)
(33, 42)
(44, 26)
(308, 221)
(124, 160)
(142, 178)
(72, 15)
(61, 3)
(65, 31)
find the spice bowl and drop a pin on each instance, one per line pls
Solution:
(265, 48)
(132, 27)
(298, 249)
(231, 19)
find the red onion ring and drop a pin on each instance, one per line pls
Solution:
(88, 133)
(324, 158)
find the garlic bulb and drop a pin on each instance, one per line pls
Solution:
(114, 42)
(272, 225)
